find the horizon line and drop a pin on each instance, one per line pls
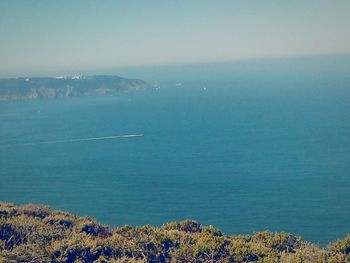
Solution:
(54, 72)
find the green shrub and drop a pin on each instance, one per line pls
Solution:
(38, 234)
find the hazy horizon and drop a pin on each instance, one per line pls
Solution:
(172, 72)
(42, 37)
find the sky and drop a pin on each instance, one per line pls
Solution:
(41, 36)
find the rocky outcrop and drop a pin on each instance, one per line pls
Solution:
(41, 88)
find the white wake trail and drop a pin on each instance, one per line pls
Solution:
(80, 139)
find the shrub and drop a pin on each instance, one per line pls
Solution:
(38, 234)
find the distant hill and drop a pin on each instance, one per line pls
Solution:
(46, 87)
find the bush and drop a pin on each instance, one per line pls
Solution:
(38, 234)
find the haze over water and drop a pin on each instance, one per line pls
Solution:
(246, 147)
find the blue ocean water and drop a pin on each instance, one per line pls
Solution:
(245, 153)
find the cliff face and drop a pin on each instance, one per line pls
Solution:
(40, 88)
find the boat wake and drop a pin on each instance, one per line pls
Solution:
(111, 137)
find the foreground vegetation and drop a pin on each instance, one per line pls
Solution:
(33, 233)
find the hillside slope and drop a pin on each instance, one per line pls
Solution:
(33, 233)
(40, 88)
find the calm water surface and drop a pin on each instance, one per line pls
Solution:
(244, 155)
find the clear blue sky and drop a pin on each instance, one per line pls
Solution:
(39, 35)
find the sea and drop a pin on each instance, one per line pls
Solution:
(244, 146)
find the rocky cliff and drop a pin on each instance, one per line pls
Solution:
(45, 87)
